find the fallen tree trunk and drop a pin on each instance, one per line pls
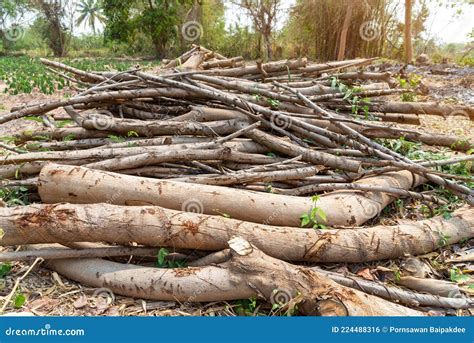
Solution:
(249, 273)
(156, 226)
(453, 142)
(427, 108)
(345, 208)
(392, 293)
(62, 253)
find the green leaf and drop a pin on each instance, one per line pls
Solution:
(162, 253)
(19, 300)
(458, 277)
(447, 215)
(5, 269)
(321, 214)
(31, 118)
(305, 220)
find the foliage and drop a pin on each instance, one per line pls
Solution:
(52, 20)
(318, 22)
(5, 268)
(24, 74)
(315, 216)
(139, 27)
(90, 12)
(411, 83)
(162, 262)
(14, 196)
(19, 300)
(156, 20)
(457, 276)
(246, 307)
(10, 12)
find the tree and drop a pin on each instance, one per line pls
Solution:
(324, 29)
(55, 32)
(345, 28)
(408, 40)
(263, 14)
(156, 19)
(10, 10)
(90, 12)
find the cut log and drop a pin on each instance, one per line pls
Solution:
(249, 273)
(156, 226)
(62, 253)
(344, 208)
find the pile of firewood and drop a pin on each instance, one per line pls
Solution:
(242, 169)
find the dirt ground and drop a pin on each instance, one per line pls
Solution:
(50, 294)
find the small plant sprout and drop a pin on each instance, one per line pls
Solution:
(315, 217)
(456, 275)
(443, 239)
(163, 262)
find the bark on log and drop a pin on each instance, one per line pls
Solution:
(156, 226)
(249, 273)
(62, 253)
(454, 142)
(312, 156)
(379, 289)
(343, 208)
(427, 108)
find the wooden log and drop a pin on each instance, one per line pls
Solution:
(344, 208)
(453, 142)
(103, 96)
(249, 273)
(391, 293)
(311, 156)
(230, 62)
(410, 119)
(155, 226)
(62, 253)
(145, 159)
(426, 108)
(253, 69)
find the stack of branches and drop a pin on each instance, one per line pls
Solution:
(217, 159)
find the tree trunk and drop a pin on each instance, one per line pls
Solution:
(156, 226)
(345, 208)
(408, 40)
(249, 273)
(345, 27)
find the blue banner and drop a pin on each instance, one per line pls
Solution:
(237, 329)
